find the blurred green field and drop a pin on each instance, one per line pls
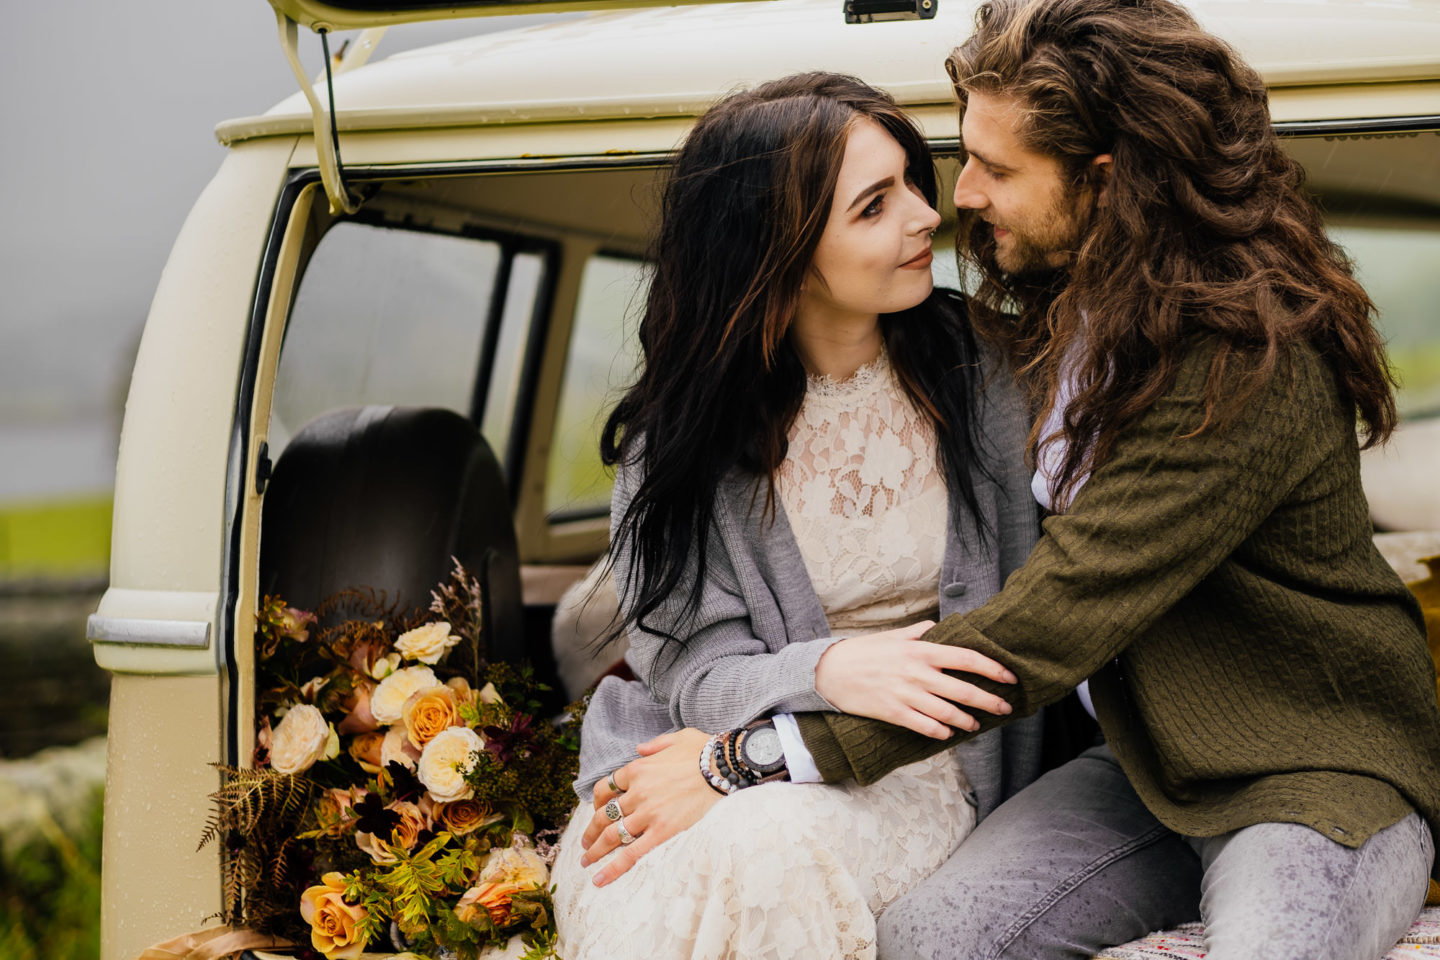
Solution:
(55, 538)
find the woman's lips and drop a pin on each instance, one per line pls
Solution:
(919, 262)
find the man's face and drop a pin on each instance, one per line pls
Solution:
(1037, 218)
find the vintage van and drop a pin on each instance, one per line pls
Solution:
(480, 253)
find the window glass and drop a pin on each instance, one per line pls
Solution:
(386, 317)
(502, 400)
(601, 362)
(1400, 268)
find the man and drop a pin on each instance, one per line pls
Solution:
(1199, 354)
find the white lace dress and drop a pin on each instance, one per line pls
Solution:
(788, 870)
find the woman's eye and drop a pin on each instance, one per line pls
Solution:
(874, 207)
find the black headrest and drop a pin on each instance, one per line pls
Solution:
(383, 497)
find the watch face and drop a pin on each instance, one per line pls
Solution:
(763, 749)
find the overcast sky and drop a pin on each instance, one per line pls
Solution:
(108, 116)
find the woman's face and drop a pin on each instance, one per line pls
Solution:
(874, 256)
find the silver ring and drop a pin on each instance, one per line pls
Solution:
(610, 782)
(626, 837)
(612, 808)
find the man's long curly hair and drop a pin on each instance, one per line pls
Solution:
(1205, 228)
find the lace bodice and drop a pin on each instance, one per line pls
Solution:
(866, 500)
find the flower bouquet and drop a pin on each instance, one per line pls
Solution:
(402, 794)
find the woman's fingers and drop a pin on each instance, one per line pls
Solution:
(608, 839)
(627, 857)
(601, 819)
(958, 691)
(965, 660)
(652, 747)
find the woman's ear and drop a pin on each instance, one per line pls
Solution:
(1103, 164)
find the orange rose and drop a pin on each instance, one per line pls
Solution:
(427, 712)
(366, 750)
(464, 816)
(503, 874)
(332, 810)
(332, 920)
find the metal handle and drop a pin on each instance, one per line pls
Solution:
(193, 634)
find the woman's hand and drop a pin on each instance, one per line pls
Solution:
(662, 794)
(897, 677)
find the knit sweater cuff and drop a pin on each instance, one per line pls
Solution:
(824, 747)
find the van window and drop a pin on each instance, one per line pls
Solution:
(602, 359)
(1400, 268)
(517, 321)
(384, 316)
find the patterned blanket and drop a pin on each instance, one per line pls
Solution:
(1187, 942)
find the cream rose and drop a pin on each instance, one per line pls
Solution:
(503, 874)
(389, 697)
(428, 643)
(446, 760)
(332, 920)
(302, 739)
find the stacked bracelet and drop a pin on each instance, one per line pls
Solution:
(724, 765)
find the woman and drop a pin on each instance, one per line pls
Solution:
(805, 457)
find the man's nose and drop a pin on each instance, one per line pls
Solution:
(967, 195)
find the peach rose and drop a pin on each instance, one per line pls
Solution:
(427, 712)
(358, 718)
(302, 739)
(460, 817)
(403, 837)
(503, 874)
(332, 920)
(445, 761)
(389, 698)
(428, 643)
(397, 748)
(374, 659)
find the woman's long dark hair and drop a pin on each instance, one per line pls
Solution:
(1206, 228)
(720, 385)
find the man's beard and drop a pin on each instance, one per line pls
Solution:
(1038, 252)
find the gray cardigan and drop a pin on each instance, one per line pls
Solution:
(752, 645)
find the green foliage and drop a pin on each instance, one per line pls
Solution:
(50, 893)
(55, 538)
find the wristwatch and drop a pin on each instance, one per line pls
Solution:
(761, 750)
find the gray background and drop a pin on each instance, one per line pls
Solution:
(108, 116)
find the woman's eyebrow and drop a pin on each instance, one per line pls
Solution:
(870, 191)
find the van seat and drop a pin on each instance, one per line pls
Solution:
(383, 497)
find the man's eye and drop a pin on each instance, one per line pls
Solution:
(994, 174)
(873, 208)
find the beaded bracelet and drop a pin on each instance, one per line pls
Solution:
(711, 778)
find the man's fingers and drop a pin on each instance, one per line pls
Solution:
(964, 660)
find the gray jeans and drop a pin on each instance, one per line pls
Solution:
(1074, 863)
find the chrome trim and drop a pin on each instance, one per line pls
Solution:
(150, 633)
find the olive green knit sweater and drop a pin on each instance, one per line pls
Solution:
(1253, 657)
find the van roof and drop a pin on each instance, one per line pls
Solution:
(674, 61)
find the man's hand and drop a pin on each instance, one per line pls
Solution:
(662, 794)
